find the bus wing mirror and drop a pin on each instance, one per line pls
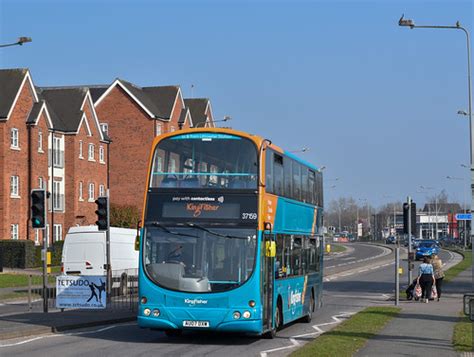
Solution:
(137, 238)
(270, 249)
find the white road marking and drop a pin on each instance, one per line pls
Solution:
(318, 331)
(59, 335)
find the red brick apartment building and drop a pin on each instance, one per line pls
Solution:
(133, 116)
(51, 139)
(60, 139)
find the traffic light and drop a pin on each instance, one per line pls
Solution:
(413, 218)
(102, 213)
(38, 208)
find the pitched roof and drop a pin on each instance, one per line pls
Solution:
(35, 110)
(64, 105)
(97, 91)
(197, 108)
(163, 98)
(182, 116)
(442, 207)
(10, 82)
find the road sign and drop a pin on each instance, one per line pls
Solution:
(464, 216)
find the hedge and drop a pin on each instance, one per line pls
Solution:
(18, 253)
(23, 254)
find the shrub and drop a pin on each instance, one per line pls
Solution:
(18, 253)
(124, 216)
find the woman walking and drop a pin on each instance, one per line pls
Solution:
(438, 273)
(426, 279)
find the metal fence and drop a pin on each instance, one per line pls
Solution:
(124, 293)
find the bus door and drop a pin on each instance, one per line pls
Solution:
(268, 257)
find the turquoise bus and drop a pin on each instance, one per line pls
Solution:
(231, 235)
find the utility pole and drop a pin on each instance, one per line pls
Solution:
(410, 273)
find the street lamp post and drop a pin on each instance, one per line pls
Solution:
(464, 205)
(226, 118)
(411, 24)
(20, 42)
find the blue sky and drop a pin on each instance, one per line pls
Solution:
(375, 103)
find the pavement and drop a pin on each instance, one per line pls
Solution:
(38, 323)
(423, 329)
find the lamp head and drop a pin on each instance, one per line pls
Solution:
(406, 22)
(23, 40)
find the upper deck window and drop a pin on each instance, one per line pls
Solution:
(205, 160)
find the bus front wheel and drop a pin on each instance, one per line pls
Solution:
(278, 322)
(309, 317)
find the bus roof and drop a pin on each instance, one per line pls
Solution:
(255, 138)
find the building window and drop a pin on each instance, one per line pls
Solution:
(57, 232)
(101, 154)
(80, 191)
(14, 231)
(14, 186)
(14, 141)
(159, 129)
(80, 150)
(105, 128)
(57, 197)
(40, 182)
(101, 190)
(40, 141)
(172, 128)
(91, 152)
(91, 192)
(58, 154)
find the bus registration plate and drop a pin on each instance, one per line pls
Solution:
(187, 323)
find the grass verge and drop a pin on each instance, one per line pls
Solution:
(454, 271)
(337, 248)
(462, 335)
(352, 334)
(21, 280)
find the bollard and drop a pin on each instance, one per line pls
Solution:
(328, 248)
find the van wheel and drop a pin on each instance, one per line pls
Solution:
(123, 284)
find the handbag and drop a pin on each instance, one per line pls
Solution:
(417, 292)
(434, 292)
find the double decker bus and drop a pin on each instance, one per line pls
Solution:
(231, 237)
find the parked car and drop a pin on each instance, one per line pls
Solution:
(391, 240)
(426, 248)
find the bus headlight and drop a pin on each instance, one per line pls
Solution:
(236, 315)
(146, 312)
(252, 303)
(156, 312)
(246, 314)
(143, 300)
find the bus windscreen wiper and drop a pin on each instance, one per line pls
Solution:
(194, 225)
(165, 229)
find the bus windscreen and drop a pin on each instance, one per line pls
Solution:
(205, 160)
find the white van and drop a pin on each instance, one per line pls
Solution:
(84, 253)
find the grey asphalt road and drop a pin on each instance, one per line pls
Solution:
(344, 295)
